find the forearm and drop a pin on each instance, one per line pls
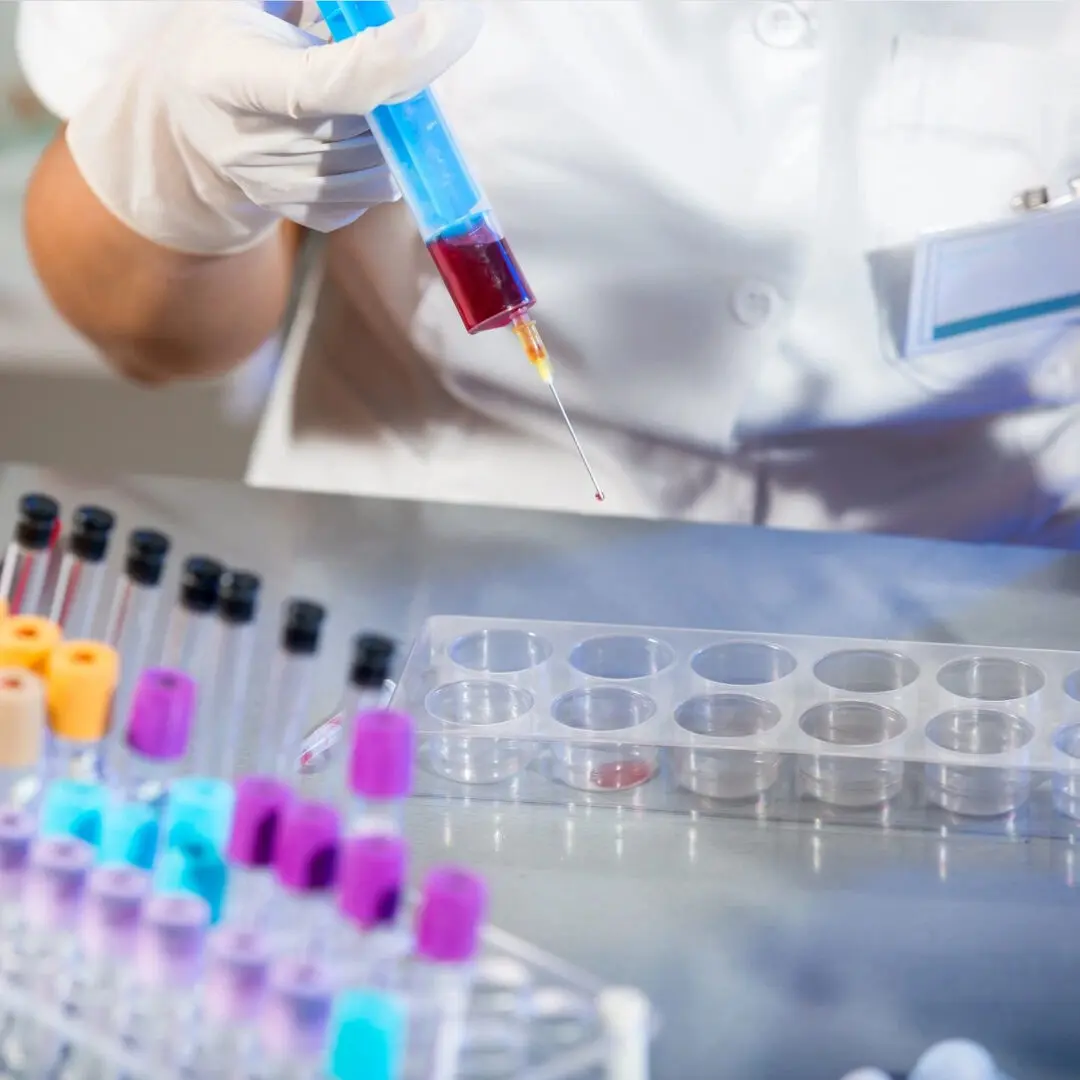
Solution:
(156, 314)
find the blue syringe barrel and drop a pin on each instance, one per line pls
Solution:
(453, 214)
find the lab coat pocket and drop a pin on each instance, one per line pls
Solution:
(950, 132)
(953, 128)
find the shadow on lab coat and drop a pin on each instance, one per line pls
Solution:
(362, 381)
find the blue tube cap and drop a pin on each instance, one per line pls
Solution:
(73, 808)
(199, 805)
(129, 834)
(367, 1036)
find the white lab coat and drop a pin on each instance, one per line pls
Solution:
(708, 198)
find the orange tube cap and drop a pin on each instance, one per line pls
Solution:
(81, 683)
(26, 641)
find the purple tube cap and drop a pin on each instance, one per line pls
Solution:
(372, 879)
(59, 869)
(115, 901)
(17, 830)
(381, 761)
(452, 908)
(261, 804)
(162, 714)
(307, 847)
(172, 938)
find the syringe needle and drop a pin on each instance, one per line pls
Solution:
(537, 354)
(577, 441)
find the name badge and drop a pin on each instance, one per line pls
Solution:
(977, 284)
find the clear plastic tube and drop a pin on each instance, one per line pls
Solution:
(291, 688)
(190, 633)
(216, 745)
(82, 572)
(188, 641)
(22, 580)
(78, 594)
(134, 609)
(439, 979)
(26, 561)
(326, 749)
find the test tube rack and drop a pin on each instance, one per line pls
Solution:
(765, 727)
(531, 1017)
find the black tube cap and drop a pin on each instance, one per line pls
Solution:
(200, 583)
(91, 530)
(238, 597)
(37, 518)
(301, 628)
(372, 656)
(147, 550)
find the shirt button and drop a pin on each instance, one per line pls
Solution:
(781, 26)
(754, 303)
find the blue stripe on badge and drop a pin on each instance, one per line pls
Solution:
(1007, 316)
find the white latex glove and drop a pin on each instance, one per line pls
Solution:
(227, 119)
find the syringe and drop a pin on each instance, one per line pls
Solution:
(455, 220)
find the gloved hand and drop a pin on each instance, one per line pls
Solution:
(228, 119)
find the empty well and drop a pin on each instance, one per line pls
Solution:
(743, 663)
(978, 790)
(622, 657)
(603, 766)
(735, 772)
(866, 671)
(991, 678)
(483, 757)
(851, 781)
(500, 652)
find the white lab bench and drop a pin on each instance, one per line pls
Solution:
(773, 953)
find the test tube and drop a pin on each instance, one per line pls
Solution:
(195, 833)
(189, 635)
(373, 876)
(53, 898)
(381, 771)
(170, 959)
(81, 684)
(262, 803)
(238, 605)
(303, 980)
(242, 947)
(116, 897)
(82, 571)
(59, 871)
(17, 831)
(26, 561)
(449, 918)
(305, 868)
(325, 750)
(135, 606)
(291, 685)
(155, 739)
(367, 1036)
(22, 738)
(27, 641)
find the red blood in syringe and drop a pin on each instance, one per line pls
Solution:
(483, 278)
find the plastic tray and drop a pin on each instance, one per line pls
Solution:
(532, 1017)
(905, 734)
